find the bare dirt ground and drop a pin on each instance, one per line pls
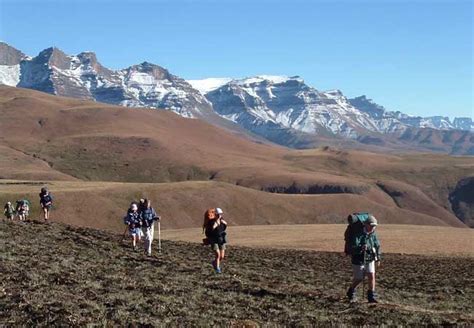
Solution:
(59, 275)
(403, 239)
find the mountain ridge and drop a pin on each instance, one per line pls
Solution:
(281, 109)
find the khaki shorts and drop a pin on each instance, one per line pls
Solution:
(359, 269)
(218, 247)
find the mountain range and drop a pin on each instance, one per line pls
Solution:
(284, 110)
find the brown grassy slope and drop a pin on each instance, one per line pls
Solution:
(182, 204)
(55, 275)
(404, 239)
(15, 164)
(99, 142)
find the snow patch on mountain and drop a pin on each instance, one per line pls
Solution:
(207, 85)
(10, 75)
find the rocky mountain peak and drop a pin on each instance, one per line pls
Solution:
(88, 57)
(151, 69)
(54, 57)
(10, 55)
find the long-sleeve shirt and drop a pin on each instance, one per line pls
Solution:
(372, 252)
(132, 219)
(148, 216)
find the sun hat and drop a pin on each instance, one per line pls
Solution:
(371, 221)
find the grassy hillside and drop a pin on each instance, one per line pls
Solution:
(61, 275)
(44, 137)
(182, 204)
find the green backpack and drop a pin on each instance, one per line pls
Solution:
(355, 227)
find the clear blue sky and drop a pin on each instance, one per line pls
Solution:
(414, 56)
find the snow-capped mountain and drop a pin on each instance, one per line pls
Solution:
(287, 111)
(289, 103)
(83, 77)
(282, 109)
(434, 122)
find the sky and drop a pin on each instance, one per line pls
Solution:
(413, 56)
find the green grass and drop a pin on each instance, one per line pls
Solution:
(61, 275)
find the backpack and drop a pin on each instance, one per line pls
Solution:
(355, 227)
(19, 205)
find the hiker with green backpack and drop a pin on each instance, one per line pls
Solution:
(22, 209)
(363, 246)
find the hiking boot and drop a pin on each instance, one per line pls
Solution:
(351, 294)
(371, 297)
(218, 270)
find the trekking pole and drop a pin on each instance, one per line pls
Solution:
(159, 237)
(363, 272)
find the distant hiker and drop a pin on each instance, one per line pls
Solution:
(9, 211)
(22, 209)
(364, 247)
(133, 222)
(46, 202)
(214, 227)
(148, 217)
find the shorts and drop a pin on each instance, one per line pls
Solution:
(359, 269)
(135, 232)
(48, 207)
(218, 247)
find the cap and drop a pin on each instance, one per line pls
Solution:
(219, 211)
(371, 221)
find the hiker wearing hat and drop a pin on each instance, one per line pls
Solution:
(8, 211)
(133, 222)
(46, 202)
(148, 217)
(365, 253)
(217, 239)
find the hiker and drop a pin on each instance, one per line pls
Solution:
(215, 226)
(9, 211)
(22, 209)
(148, 217)
(365, 253)
(133, 222)
(46, 202)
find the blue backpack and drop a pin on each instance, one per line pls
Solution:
(355, 227)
